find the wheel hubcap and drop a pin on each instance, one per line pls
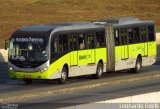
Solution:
(138, 65)
(99, 71)
(64, 75)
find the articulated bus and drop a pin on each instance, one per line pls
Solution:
(62, 50)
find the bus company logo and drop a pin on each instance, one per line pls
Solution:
(82, 57)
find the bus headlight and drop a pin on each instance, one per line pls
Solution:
(44, 69)
(11, 69)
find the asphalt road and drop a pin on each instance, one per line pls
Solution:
(90, 95)
(16, 87)
(8, 85)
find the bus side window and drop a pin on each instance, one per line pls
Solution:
(137, 35)
(54, 47)
(63, 43)
(143, 33)
(82, 41)
(123, 36)
(100, 39)
(116, 37)
(131, 36)
(72, 41)
(90, 41)
(151, 34)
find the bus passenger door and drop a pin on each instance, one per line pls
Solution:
(90, 46)
(124, 46)
(143, 32)
(73, 58)
(124, 51)
(152, 50)
(73, 48)
(146, 49)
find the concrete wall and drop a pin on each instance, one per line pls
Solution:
(4, 54)
(145, 100)
(158, 38)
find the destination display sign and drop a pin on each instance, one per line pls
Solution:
(28, 39)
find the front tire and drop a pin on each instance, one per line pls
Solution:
(138, 66)
(64, 76)
(99, 71)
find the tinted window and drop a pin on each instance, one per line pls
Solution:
(100, 39)
(90, 41)
(123, 36)
(28, 49)
(82, 41)
(63, 43)
(130, 36)
(143, 32)
(137, 35)
(151, 33)
(54, 48)
(54, 45)
(116, 37)
(72, 42)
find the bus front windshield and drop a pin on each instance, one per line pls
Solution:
(28, 49)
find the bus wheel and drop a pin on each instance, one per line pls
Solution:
(99, 71)
(64, 76)
(138, 66)
(27, 81)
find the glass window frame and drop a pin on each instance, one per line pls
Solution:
(104, 40)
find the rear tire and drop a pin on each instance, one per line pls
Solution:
(27, 81)
(138, 66)
(99, 71)
(64, 76)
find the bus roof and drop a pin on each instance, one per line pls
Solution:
(50, 27)
(102, 23)
(123, 21)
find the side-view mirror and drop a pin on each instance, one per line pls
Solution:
(6, 44)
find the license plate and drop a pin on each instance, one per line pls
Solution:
(27, 76)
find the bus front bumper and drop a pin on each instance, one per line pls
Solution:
(28, 75)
